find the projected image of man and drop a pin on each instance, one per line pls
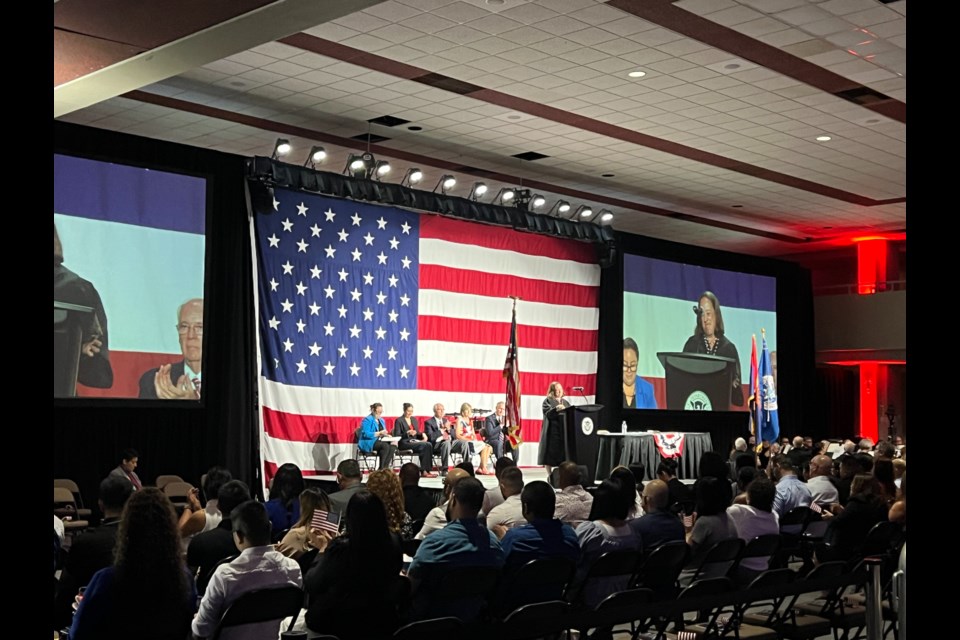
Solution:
(180, 380)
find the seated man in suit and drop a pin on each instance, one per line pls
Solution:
(126, 470)
(437, 430)
(180, 380)
(494, 428)
(259, 566)
(349, 479)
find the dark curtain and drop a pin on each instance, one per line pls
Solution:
(838, 399)
(89, 434)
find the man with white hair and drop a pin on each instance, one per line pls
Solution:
(799, 454)
(866, 446)
(849, 448)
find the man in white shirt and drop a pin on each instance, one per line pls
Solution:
(437, 517)
(573, 501)
(756, 518)
(259, 566)
(494, 496)
(509, 514)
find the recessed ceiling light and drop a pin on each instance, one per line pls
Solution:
(732, 65)
(495, 2)
(637, 74)
(415, 128)
(872, 121)
(238, 83)
(514, 116)
(824, 138)
(608, 175)
(737, 206)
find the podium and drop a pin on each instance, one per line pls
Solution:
(698, 382)
(69, 321)
(580, 439)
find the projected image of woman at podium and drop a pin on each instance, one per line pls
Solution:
(637, 392)
(708, 338)
(552, 451)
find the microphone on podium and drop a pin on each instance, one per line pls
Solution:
(578, 388)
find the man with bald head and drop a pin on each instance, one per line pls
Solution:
(658, 524)
(180, 380)
(823, 491)
(438, 517)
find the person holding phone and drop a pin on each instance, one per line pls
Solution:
(372, 429)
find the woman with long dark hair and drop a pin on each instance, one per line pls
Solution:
(296, 542)
(283, 505)
(148, 592)
(352, 585)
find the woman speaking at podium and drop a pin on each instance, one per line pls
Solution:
(708, 338)
(551, 451)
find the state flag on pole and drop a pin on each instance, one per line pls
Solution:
(769, 418)
(754, 401)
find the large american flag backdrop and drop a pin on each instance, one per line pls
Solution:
(362, 303)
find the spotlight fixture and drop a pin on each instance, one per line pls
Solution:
(381, 169)
(605, 215)
(411, 177)
(316, 156)
(281, 148)
(560, 206)
(360, 165)
(477, 191)
(445, 183)
(583, 211)
(537, 201)
(504, 196)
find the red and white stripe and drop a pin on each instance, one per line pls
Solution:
(467, 273)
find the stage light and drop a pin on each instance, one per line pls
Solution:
(445, 183)
(281, 148)
(504, 196)
(560, 206)
(537, 201)
(316, 156)
(583, 211)
(411, 177)
(477, 191)
(606, 217)
(381, 169)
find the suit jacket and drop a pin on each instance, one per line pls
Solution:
(147, 387)
(207, 549)
(368, 430)
(400, 428)
(120, 473)
(431, 427)
(492, 429)
(339, 499)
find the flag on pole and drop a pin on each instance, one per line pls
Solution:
(769, 419)
(754, 400)
(511, 371)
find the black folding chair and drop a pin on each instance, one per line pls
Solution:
(539, 580)
(661, 569)
(262, 605)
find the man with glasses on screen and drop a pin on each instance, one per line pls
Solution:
(180, 380)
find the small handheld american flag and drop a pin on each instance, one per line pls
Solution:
(326, 521)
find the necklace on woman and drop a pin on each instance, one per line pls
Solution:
(711, 351)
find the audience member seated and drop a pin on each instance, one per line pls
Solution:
(883, 472)
(680, 498)
(386, 485)
(259, 566)
(849, 467)
(712, 465)
(509, 513)
(865, 447)
(93, 549)
(899, 468)
(898, 512)
(467, 466)
(352, 585)
(197, 518)
(494, 496)
(207, 549)
(658, 525)
(823, 491)
(129, 460)
(350, 481)
(147, 592)
(438, 517)
(745, 475)
(605, 530)
(465, 542)
(885, 450)
(296, 543)
(792, 492)
(800, 454)
(573, 501)
(710, 522)
(543, 536)
(417, 501)
(848, 529)
(628, 490)
(756, 518)
(283, 504)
